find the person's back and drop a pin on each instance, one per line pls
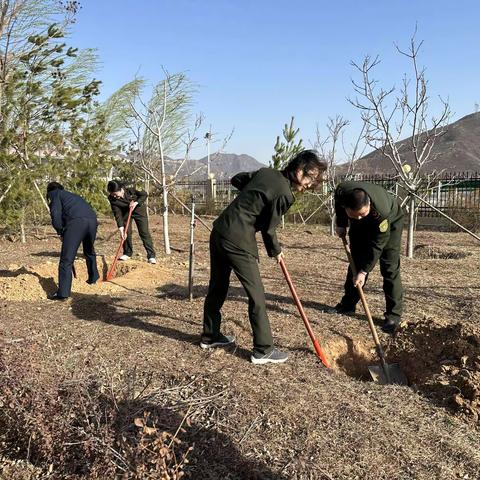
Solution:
(72, 205)
(76, 223)
(265, 195)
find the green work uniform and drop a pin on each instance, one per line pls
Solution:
(265, 195)
(121, 208)
(376, 237)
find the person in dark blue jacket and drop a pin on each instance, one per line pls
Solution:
(76, 222)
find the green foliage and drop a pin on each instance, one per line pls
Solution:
(118, 111)
(168, 111)
(86, 166)
(287, 148)
(49, 128)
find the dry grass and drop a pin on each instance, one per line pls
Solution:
(291, 421)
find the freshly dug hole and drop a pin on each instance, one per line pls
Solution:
(351, 356)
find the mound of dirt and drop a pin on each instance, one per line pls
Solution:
(443, 362)
(30, 283)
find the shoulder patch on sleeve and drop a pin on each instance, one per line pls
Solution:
(383, 227)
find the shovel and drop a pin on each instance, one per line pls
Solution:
(386, 373)
(119, 249)
(316, 345)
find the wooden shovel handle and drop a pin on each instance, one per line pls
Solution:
(297, 301)
(122, 241)
(363, 299)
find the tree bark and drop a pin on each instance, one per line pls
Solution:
(411, 226)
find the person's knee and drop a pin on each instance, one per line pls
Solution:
(390, 266)
(66, 260)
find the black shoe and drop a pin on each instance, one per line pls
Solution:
(390, 325)
(93, 282)
(275, 356)
(341, 309)
(55, 296)
(221, 341)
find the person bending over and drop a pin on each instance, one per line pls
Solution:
(121, 199)
(265, 195)
(76, 222)
(375, 221)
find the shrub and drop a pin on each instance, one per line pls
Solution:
(80, 428)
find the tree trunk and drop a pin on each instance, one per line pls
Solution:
(166, 236)
(146, 183)
(22, 228)
(411, 226)
(332, 225)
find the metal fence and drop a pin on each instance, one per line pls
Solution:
(449, 193)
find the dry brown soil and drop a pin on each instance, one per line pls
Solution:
(292, 421)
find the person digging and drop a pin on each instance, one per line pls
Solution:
(121, 199)
(375, 221)
(75, 221)
(265, 195)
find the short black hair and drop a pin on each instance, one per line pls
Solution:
(306, 161)
(114, 186)
(54, 186)
(355, 199)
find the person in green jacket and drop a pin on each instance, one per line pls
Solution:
(121, 199)
(265, 195)
(375, 221)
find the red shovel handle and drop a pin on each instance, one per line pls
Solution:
(316, 345)
(119, 249)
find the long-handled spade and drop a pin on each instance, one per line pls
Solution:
(316, 345)
(119, 249)
(387, 373)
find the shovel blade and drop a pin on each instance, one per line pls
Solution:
(395, 374)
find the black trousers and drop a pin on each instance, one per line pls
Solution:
(139, 216)
(389, 269)
(78, 231)
(225, 257)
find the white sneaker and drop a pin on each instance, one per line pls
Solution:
(152, 260)
(124, 258)
(222, 341)
(275, 356)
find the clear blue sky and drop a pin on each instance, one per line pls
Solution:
(257, 63)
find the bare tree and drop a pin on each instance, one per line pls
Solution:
(328, 148)
(159, 127)
(408, 114)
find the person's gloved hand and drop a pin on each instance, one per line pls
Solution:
(133, 204)
(359, 280)
(122, 232)
(341, 231)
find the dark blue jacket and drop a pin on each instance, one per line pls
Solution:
(65, 206)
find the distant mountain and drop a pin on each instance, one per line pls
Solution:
(457, 150)
(223, 165)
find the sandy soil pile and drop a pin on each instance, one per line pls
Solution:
(35, 282)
